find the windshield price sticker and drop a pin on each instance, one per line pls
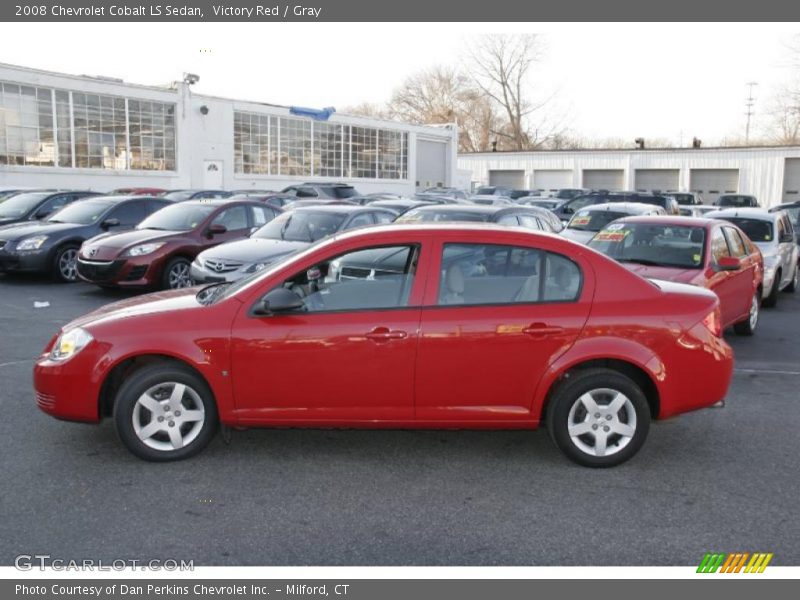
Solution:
(611, 236)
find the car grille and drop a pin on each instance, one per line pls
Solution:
(45, 401)
(98, 271)
(222, 266)
(136, 272)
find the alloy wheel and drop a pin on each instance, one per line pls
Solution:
(754, 310)
(168, 416)
(68, 264)
(179, 276)
(601, 422)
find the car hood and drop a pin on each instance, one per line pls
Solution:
(12, 233)
(148, 304)
(576, 235)
(124, 239)
(253, 250)
(676, 274)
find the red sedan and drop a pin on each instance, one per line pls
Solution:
(705, 252)
(159, 252)
(404, 326)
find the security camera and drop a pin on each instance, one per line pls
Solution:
(204, 110)
(190, 78)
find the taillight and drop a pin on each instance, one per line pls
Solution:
(713, 322)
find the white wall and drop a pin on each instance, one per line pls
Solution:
(199, 138)
(760, 169)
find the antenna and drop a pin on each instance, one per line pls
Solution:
(749, 104)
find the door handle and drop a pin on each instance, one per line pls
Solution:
(539, 329)
(381, 334)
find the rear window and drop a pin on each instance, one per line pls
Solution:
(432, 216)
(756, 229)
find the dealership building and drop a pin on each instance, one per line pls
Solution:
(772, 174)
(100, 133)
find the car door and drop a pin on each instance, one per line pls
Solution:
(348, 353)
(261, 215)
(129, 214)
(786, 245)
(236, 221)
(495, 317)
(719, 281)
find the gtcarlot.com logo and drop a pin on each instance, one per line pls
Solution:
(734, 562)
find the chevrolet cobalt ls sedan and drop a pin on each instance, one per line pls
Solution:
(565, 337)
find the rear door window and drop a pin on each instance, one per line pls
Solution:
(735, 244)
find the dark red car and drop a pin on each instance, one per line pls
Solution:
(708, 253)
(159, 252)
(401, 326)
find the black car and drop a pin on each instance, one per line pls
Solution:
(334, 191)
(183, 195)
(33, 206)
(736, 200)
(570, 207)
(511, 216)
(51, 245)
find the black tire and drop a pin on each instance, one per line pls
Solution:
(131, 421)
(168, 278)
(599, 382)
(748, 326)
(794, 283)
(64, 269)
(772, 299)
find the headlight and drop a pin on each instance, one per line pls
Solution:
(32, 243)
(70, 343)
(143, 249)
(256, 267)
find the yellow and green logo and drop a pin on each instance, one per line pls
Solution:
(734, 562)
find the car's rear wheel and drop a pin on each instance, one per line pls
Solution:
(165, 412)
(795, 280)
(748, 326)
(598, 418)
(177, 274)
(772, 299)
(65, 264)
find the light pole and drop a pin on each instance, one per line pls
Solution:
(749, 104)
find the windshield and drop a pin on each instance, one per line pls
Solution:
(178, 217)
(734, 201)
(756, 229)
(594, 220)
(653, 244)
(83, 212)
(301, 226)
(20, 204)
(429, 216)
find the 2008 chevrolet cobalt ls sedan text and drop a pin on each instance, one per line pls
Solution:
(421, 326)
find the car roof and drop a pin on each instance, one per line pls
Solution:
(218, 201)
(483, 209)
(748, 212)
(124, 197)
(337, 208)
(632, 207)
(670, 220)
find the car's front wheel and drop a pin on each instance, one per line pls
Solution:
(165, 412)
(772, 298)
(65, 264)
(598, 418)
(177, 274)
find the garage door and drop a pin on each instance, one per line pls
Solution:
(711, 183)
(791, 180)
(551, 180)
(604, 179)
(513, 179)
(431, 164)
(656, 180)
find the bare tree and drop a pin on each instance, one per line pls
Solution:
(445, 95)
(784, 106)
(500, 65)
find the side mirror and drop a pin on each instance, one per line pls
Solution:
(216, 229)
(279, 300)
(109, 223)
(729, 263)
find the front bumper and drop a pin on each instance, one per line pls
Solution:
(24, 262)
(63, 389)
(123, 272)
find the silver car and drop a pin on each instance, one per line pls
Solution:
(774, 235)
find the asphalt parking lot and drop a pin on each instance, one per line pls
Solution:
(716, 480)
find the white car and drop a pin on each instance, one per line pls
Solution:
(585, 223)
(774, 235)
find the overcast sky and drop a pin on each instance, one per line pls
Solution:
(625, 80)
